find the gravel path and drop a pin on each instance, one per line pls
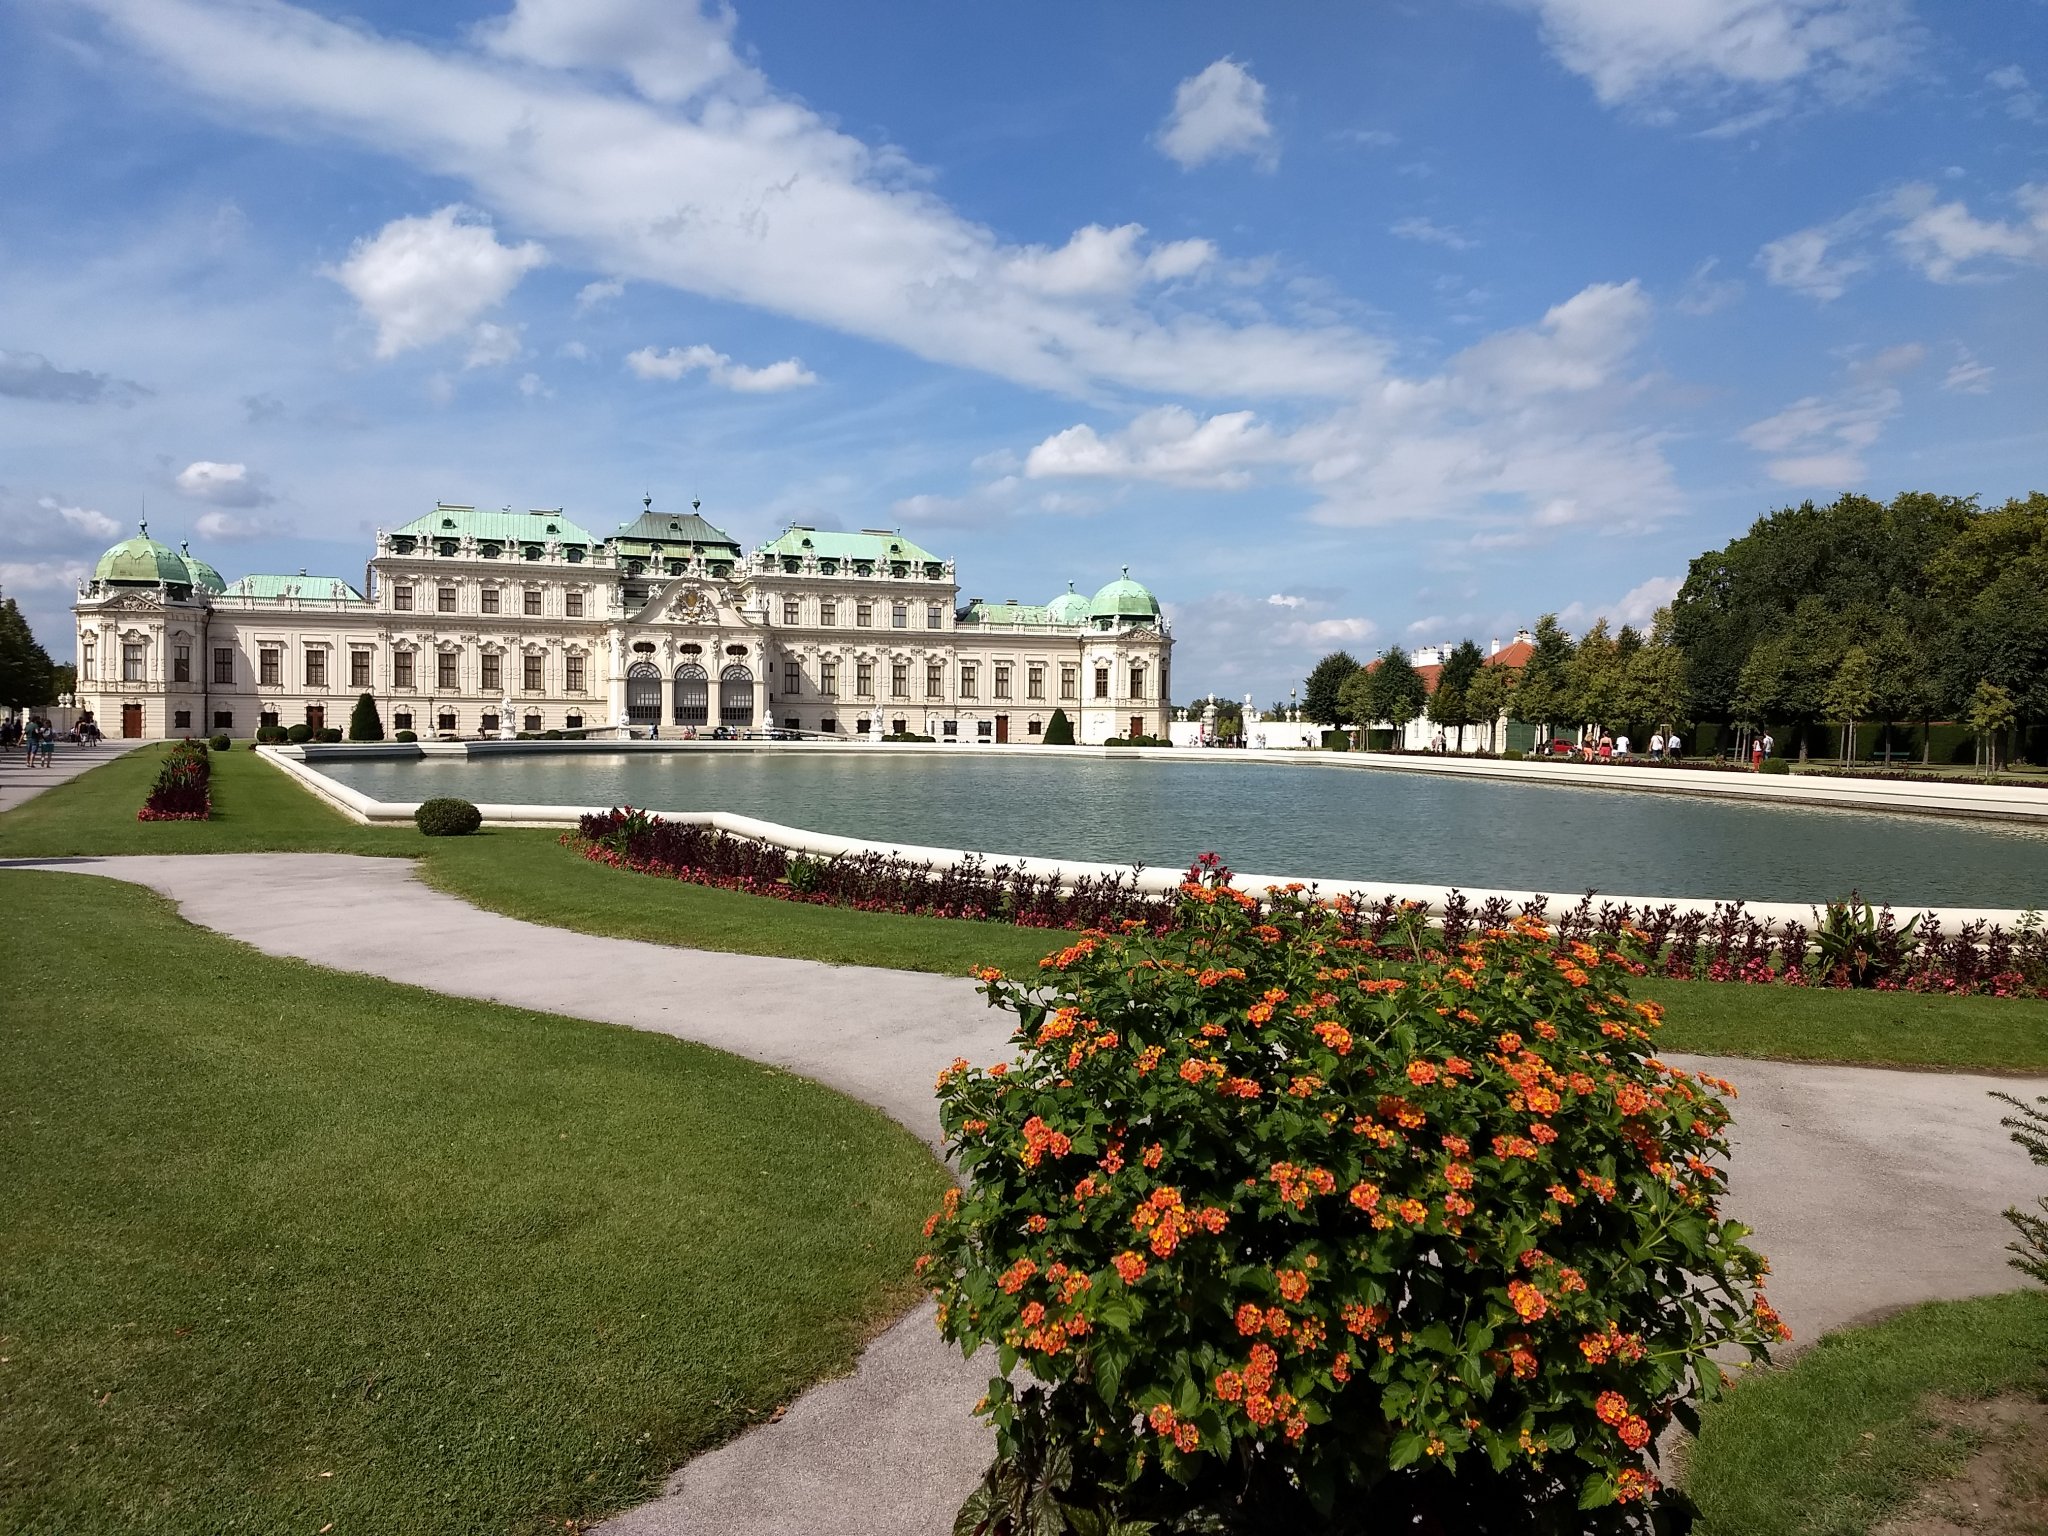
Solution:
(1869, 1189)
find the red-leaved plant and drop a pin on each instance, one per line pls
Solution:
(1297, 1230)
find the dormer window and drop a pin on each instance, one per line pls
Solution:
(489, 551)
(446, 546)
(447, 522)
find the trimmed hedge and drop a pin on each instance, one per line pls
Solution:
(328, 734)
(219, 743)
(447, 817)
(407, 736)
(299, 735)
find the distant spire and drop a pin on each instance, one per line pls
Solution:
(647, 502)
(144, 526)
(1127, 573)
(696, 504)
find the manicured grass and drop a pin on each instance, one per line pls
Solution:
(528, 874)
(284, 1247)
(1843, 1437)
(255, 807)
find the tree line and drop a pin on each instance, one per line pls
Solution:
(28, 678)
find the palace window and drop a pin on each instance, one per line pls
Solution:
(181, 720)
(402, 720)
(950, 728)
(899, 616)
(828, 679)
(444, 669)
(531, 723)
(573, 605)
(792, 611)
(864, 679)
(1034, 727)
(445, 721)
(792, 678)
(181, 664)
(316, 667)
(87, 661)
(493, 672)
(574, 682)
(401, 669)
(223, 719)
(358, 669)
(1034, 681)
(828, 611)
(1070, 684)
(984, 729)
(532, 602)
(969, 686)
(444, 599)
(1102, 682)
(574, 722)
(934, 617)
(935, 680)
(490, 599)
(223, 664)
(829, 726)
(1002, 681)
(270, 666)
(1137, 682)
(864, 615)
(530, 673)
(899, 679)
(401, 599)
(131, 663)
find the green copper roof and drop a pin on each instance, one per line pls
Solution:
(673, 529)
(447, 522)
(978, 612)
(826, 544)
(1070, 607)
(144, 562)
(204, 576)
(1123, 598)
(274, 588)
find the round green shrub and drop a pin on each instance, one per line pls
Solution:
(1512, 755)
(447, 817)
(1272, 1214)
(551, 735)
(328, 734)
(1775, 765)
(407, 736)
(219, 743)
(299, 734)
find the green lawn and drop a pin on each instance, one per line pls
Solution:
(1833, 1443)
(527, 874)
(285, 1247)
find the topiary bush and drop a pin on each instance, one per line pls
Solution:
(447, 817)
(1059, 730)
(1774, 765)
(219, 743)
(364, 723)
(407, 736)
(329, 734)
(298, 734)
(1295, 1231)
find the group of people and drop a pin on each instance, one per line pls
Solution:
(35, 737)
(1600, 746)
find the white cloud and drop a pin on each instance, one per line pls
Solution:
(493, 345)
(230, 526)
(1943, 241)
(42, 575)
(1429, 232)
(1635, 52)
(1169, 444)
(1967, 376)
(736, 192)
(224, 485)
(425, 279)
(1820, 441)
(2022, 101)
(1220, 112)
(530, 385)
(669, 51)
(1229, 642)
(598, 294)
(721, 370)
(1801, 261)
(1103, 262)
(84, 520)
(1704, 293)
(1286, 600)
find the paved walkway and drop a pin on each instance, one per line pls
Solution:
(19, 783)
(1868, 1189)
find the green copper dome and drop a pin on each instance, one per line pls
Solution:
(1070, 607)
(1123, 599)
(141, 561)
(204, 577)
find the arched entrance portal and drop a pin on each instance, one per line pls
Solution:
(736, 696)
(693, 695)
(643, 694)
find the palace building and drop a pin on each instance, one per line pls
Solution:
(471, 623)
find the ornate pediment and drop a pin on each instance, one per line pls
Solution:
(131, 602)
(692, 602)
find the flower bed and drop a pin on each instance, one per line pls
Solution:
(1851, 944)
(1287, 1228)
(181, 791)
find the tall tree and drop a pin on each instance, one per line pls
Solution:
(1490, 698)
(1989, 717)
(26, 673)
(1325, 680)
(1653, 689)
(1396, 691)
(1849, 694)
(1542, 697)
(1593, 677)
(1451, 706)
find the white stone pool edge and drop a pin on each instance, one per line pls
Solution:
(298, 763)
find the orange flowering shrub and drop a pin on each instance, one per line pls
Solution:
(1273, 1216)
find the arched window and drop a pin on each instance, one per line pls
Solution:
(736, 696)
(693, 695)
(643, 694)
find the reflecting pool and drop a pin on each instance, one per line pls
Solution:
(1312, 819)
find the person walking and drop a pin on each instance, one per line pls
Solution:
(1768, 744)
(1756, 754)
(1672, 745)
(1621, 745)
(1657, 745)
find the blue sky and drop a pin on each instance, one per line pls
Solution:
(1358, 325)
